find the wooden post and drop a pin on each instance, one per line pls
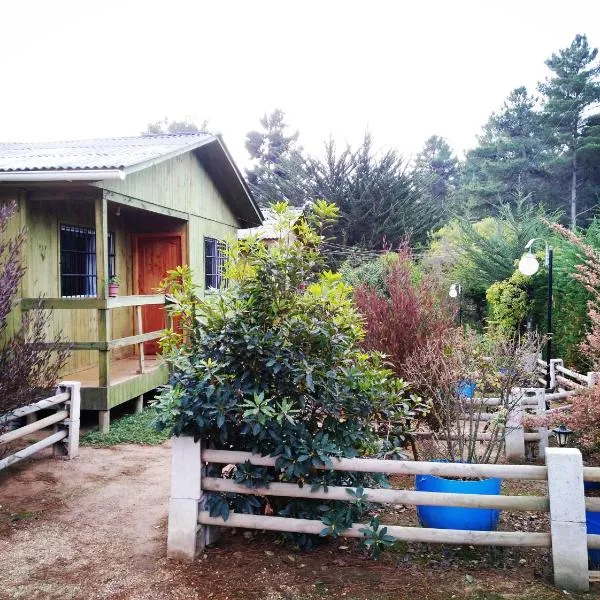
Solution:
(185, 538)
(72, 423)
(567, 519)
(101, 214)
(514, 441)
(553, 364)
(140, 330)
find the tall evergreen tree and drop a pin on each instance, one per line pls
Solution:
(435, 172)
(375, 193)
(508, 161)
(571, 93)
(278, 162)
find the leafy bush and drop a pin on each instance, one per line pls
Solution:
(273, 365)
(409, 311)
(509, 303)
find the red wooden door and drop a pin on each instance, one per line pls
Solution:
(155, 256)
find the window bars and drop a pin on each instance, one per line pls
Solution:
(78, 270)
(214, 261)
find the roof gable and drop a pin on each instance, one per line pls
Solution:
(103, 159)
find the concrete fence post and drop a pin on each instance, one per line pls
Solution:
(567, 519)
(185, 538)
(514, 440)
(593, 378)
(72, 423)
(554, 362)
(540, 411)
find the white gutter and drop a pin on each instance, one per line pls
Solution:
(73, 175)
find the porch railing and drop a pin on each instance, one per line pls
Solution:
(104, 344)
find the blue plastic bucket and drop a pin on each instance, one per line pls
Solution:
(466, 389)
(592, 522)
(449, 517)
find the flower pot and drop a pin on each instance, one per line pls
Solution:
(450, 517)
(113, 290)
(466, 389)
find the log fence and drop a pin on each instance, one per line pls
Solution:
(191, 527)
(64, 422)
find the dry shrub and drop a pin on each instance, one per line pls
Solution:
(29, 367)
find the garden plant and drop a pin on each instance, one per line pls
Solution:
(273, 364)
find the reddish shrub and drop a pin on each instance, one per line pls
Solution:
(408, 313)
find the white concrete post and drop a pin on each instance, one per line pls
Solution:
(567, 519)
(514, 441)
(72, 423)
(593, 378)
(540, 411)
(554, 362)
(185, 538)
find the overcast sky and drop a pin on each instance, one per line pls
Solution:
(404, 70)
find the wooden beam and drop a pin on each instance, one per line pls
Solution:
(16, 434)
(101, 213)
(399, 467)
(135, 339)
(90, 303)
(140, 331)
(144, 205)
(383, 496)
(410, 534)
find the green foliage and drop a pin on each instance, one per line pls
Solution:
(436, 172)
(376, 538)
(132, 429)
(509, 302)
(273, 365)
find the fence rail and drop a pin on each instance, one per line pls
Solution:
(191, 527)
(65, 423)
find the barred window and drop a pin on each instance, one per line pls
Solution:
(78, 273)
(214, 260)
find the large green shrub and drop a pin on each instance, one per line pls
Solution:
(509, 303)
(273, 365)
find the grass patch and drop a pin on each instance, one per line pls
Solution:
(132, 429)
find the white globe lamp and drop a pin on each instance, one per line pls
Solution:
(529, 265)
(453, 293)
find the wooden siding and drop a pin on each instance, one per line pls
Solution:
(175, 196)
(45, 213)
(182, 184)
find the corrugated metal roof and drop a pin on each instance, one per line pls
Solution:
(105, 153)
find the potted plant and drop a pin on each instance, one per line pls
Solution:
(495, 363)
(113, 286)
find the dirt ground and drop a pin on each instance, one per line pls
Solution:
(95, 528)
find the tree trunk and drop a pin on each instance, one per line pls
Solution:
(574, 190)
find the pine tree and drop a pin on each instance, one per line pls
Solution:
(570, 94)
(435, 172)
(278, 162)
(508, 161)
(375, 193)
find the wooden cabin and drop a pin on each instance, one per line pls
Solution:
(126, 207)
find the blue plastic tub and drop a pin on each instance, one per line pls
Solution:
(592, 522)
(466, 389)
(449, 517)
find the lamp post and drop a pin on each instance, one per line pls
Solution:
(456, 292)
(529, 265)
